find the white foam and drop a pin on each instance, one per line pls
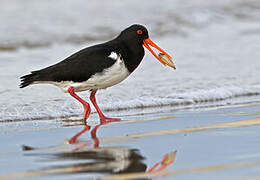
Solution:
(68, 107)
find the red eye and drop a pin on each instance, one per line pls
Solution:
(139, 31)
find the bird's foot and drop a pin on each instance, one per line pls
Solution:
(105, 119)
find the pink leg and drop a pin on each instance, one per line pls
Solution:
(84, 103)
(101, 115)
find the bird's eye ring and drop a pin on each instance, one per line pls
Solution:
(139, 32)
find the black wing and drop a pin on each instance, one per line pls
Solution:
(77, 67)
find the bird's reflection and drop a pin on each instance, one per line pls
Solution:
(93, 132)
(103, 160)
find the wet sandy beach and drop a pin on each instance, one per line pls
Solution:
(215, 143)
(200, 121)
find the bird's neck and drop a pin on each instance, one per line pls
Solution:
(133, 55)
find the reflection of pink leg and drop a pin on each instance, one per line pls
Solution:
(94, 136)
(101, 115)
(82, 146)
(84, 103)
(94, 132)
(74, 138)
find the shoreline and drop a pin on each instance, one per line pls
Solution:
(238, 101)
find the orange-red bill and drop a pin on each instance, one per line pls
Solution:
(148, 42)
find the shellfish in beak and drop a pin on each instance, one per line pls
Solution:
(168, 61)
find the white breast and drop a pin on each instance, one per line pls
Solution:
(108, 77)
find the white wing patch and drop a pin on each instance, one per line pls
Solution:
(114, 55)
(108, 77)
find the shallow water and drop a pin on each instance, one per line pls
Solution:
(216, 144)
(216, 49)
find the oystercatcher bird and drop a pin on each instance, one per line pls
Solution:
(99, 66)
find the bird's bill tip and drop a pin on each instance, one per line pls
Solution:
(163, 57)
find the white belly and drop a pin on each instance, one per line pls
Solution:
(109, 77)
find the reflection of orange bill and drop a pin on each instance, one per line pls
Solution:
(169, 158)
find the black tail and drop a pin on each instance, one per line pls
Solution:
(29, 79)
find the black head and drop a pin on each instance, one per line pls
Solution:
(134, 34)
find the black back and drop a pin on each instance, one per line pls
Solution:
(89, 61)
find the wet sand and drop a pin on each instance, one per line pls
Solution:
(215, 143)
(182, 124)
